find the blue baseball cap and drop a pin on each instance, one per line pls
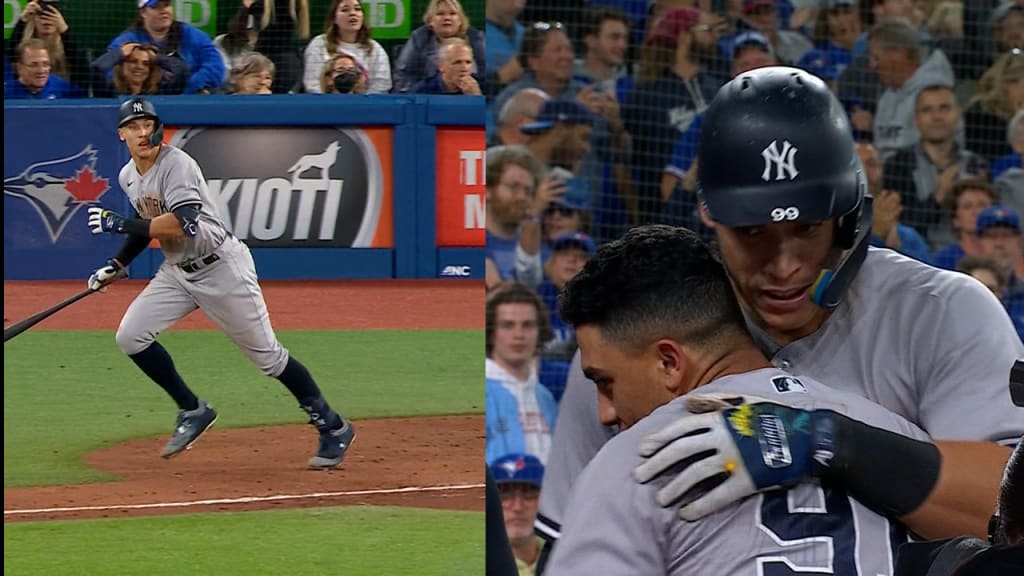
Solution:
(554, 111)
(520, 468)
(820, 63)
(997, 215)
(751, 38)
(150, 3)
(574, 239)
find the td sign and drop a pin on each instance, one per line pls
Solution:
(388, 18)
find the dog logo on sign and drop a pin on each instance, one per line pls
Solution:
(783, 160)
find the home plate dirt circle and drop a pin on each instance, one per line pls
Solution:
(392, 462)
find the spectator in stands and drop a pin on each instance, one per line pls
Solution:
(835, 32)
(454, 71)
(504, 35)
(521, 412)
(985, 270)
(886, 229)
(561, 134)
(253, 74)
(1008, 171)
(243, 31)
(605, 35)
(1000, 236)
(44, 19)
(1008, 26)
(442, 20)
(33, 79)
(898, 57)
(344, 73)
(569, 252)
(967, 200)
(137, 69)
(345, 28)
(156, 25)
(763, 16)
(925, 172)
(521, 108)
(999, 96)
(519, 478)
(751, 50)
(512, 180)
(672, 88)
(282, 23)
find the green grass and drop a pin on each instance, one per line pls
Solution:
(69, 393)
(350, 541)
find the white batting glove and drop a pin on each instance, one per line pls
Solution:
(100, 279)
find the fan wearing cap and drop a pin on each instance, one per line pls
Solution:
(156, 25)
(1000, 238)
(673, 87)
(522, 107)
(519, 478)
(763, 16)
(750, 51)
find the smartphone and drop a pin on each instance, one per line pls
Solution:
(49, 6)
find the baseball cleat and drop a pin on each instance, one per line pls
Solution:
(333, 445)
(190, 426)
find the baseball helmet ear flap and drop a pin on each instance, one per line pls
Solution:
(157, 137)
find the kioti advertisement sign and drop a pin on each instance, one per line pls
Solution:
(298, 187)
(461, 187)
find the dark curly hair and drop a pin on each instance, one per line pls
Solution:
(512, 293)
(656, 281)
(1011, 501)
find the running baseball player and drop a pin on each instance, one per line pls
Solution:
(785, 193)
(661, 334)
(205, 266)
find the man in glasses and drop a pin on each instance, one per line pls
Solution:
(33, 79)
(519, 477)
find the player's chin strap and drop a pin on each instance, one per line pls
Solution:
(828, 290)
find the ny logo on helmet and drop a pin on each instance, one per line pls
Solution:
(137, 107)
(784, 161)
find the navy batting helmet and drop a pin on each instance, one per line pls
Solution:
(135, 108)
(776, 146)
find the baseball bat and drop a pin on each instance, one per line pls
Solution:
(15, 329)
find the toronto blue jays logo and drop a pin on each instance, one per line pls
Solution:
(513, 466)
(58, 188)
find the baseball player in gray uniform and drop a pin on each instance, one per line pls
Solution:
(205, 267)
(656, 319)
(782, 186)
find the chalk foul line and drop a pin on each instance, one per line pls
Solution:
(241, 500)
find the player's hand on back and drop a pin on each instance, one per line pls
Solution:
(736, 448)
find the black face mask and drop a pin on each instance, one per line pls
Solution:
(346, 81)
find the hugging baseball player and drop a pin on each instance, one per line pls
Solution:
(205, 266)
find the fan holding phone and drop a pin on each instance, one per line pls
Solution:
(44, 19)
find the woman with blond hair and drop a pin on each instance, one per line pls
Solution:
(346, 30)
(252, 74)
(999, 96)
(442, 19)
(44, 19)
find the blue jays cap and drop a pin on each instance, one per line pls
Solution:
(819, 63)
(751, 38)
(574, 239)
(997, 215)
(150, 3)
(554, 111)
(523, 468)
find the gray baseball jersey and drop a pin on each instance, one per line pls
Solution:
(212, 270)
(175, 180)
(933, 346)
(614, 526)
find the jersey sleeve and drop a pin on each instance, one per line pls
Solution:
(963, 370)
(578, 436)
(182, 181)
(613, 524)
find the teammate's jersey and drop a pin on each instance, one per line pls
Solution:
(175, 180)
(931, 345)
(615, 527)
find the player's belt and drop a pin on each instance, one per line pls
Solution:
(197, 264)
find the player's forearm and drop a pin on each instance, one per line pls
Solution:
(964, 497)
